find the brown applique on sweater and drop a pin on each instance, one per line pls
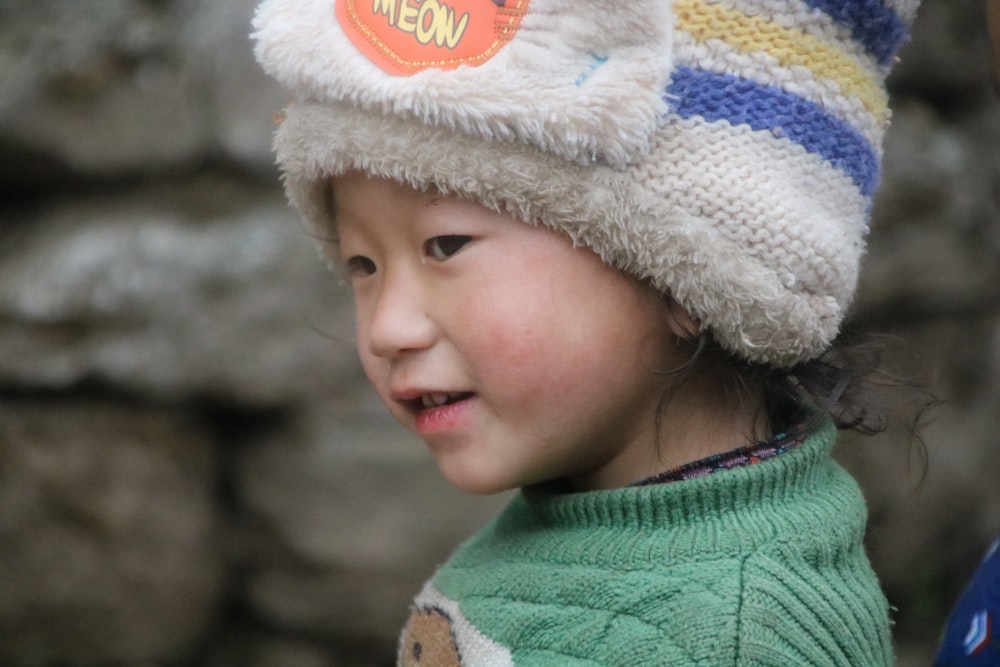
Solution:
(429, 641)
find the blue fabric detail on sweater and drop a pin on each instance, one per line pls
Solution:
(876, 26)
(739, 101)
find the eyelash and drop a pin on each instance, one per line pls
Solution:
(360, 265)
(442, 247)
(438, 248)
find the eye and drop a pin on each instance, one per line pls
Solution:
(443, 247)
(359, 265)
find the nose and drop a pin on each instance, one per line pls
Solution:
(399, 321)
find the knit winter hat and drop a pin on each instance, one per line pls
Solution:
(725, 150)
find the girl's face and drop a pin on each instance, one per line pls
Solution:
(517, 357)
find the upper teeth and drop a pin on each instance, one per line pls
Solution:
(436, 399)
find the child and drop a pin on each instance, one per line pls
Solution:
(597, 250)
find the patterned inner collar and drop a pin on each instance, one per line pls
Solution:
(783, 442)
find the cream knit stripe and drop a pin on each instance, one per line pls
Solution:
(875, 29)
(722, 58)
(695, 93)
(739, 181)
(791, 46)
(798, 16)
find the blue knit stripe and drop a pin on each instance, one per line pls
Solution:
(877, 27)
(723, 97)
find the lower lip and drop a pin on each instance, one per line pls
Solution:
(442, 418)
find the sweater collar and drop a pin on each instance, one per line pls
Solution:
(774, 483)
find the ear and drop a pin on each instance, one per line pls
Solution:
(682, 324)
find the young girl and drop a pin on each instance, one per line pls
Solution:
(597, 251)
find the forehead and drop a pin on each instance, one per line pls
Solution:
(353, 201)
(355, 194)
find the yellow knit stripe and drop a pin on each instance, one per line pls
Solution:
(750, 34)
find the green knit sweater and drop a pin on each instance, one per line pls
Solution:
(761, 565)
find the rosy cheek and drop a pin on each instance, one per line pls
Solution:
(529, 365)
(517, 345)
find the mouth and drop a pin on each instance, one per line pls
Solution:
(435, 399)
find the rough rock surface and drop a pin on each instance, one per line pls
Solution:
(192, 470)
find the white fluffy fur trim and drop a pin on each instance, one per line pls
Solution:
(583, 79)
(749, 304)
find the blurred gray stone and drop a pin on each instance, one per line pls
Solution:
(145, 296)
(118, 85)
(99, 85)
(108, 534)
(946, 58)
(936, 229)
(298, 653)
(215, 39)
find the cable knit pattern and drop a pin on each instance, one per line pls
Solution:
(761, 565)
(727, 151)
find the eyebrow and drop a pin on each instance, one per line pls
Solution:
(438, 198)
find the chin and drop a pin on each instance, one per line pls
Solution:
(477, 484)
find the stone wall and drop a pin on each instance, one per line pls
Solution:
(192, 469)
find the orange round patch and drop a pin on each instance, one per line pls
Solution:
(408, 36)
